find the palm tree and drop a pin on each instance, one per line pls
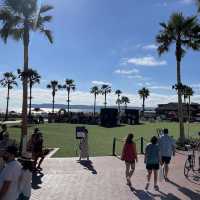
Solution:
(119, 102)
(55, 87)
(125, 100)
(198, 4)
(19, 18)
(69, 86)
(8, 81)
(118, 93)
(144, 94)
(33, 78)
(188, 93)
(184, 32)
(105, 89)
(95, 90)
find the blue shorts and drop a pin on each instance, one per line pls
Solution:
(22, 197)
(152, 166)
(166, 160)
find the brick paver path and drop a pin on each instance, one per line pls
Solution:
(66, 179)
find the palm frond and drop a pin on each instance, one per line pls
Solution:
(48, 34)
(17, 34)
(45, 8)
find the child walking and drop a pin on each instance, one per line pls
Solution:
(129, 155)
(152, 159)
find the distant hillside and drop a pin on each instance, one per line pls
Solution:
(79, 107)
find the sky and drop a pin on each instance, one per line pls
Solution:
(104, 41)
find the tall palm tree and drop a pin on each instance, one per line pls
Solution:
(188, 93)
(198, 4)
(69, 86)
(55, 87)
(8, 81)
(118, 93)
(184, 32)
(119, 102)
(19, 18)
(95, 90)
(144, 94)
(105, 89)
(33, 78)
(125, 100)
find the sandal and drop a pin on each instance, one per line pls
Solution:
(147, 186)
(128, 181)
(156, 187)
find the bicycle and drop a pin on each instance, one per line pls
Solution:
(190, 163)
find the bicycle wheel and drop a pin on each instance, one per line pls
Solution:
(187, 167)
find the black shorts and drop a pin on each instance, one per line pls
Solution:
(166, 160)
(152, 166)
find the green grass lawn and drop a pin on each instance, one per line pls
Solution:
(100, 139)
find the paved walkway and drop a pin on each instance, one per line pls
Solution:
(66, 179)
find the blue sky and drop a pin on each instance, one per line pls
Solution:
(111, 41)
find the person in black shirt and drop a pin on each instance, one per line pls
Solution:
(37, 148)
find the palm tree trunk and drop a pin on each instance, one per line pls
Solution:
(189, 110)
(30, 100)
(143, 104)
(118, 103)
(7, 103)
(95, 97)
(180, 107)
(53, 102)
(24, 129)
(68, 92)
(105, 100)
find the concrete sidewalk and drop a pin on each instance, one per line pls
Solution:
(66, 179)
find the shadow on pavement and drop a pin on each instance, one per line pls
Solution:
(186, 191)
(194, 178)
(141, 194)
(87, 164)
(146, 195)
(36, 180)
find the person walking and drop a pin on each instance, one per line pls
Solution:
(152, 159)
(25, 179)
(10, 175)
(129, 155)
(37, 148)
(4, 132)
(167, 148)
(84, 149)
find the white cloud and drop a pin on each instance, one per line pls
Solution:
(83, 98)
(146, 61)
(161, 87)
(150, 47)
(145, 84)
(101, 83)
(126, 71)
(139, 77)
(187, 1)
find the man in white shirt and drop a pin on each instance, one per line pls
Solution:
(10, 175)
(167, 149)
